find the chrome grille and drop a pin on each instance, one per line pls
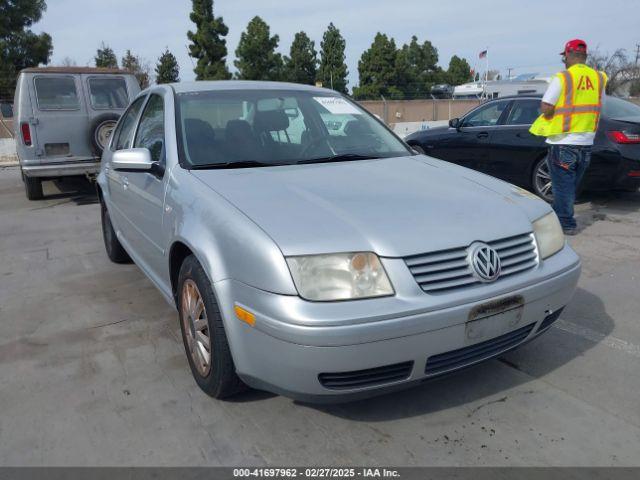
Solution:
(446, 270)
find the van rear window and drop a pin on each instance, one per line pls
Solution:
(108, 93)
(56, 93)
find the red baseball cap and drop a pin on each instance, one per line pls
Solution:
(575, 45)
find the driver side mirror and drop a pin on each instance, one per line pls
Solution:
(455, 123)
(132, 160)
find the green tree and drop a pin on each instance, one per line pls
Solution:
(208, 45)
(333, 69)
(105, 58)
(418, 69)
(302, 64)
(459, 71)
(167, 69)
(138, 67)
(20, 47)
(256, 54)
(378, 70)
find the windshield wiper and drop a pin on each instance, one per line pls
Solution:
(344, 157)
(238, 164)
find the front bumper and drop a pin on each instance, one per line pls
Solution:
(294, 341)
(62, 169)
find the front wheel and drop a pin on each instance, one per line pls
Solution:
(419, 149)
(541, 180)
(203, 333)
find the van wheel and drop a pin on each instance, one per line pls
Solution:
(418, 149)
(101, 130)
(203, 333)
(115, 251)
(33, 187)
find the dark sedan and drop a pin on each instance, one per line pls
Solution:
(494, 138)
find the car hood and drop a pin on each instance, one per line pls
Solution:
(394, 207)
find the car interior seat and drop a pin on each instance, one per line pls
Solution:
(201, 142)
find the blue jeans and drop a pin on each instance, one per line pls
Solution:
(567, 164)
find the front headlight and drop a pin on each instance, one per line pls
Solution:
(549, 235)
(339, 276)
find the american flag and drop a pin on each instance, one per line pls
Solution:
(483, 54)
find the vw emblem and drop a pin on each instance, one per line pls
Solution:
(485, 262)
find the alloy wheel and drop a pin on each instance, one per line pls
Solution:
(196, 327)
(542, 181)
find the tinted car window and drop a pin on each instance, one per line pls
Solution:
(56, 93)
(108, 93)
(617, 108)
(124, 132)
(485, 116)
(524, 112)
(151, 128)
(6, 110)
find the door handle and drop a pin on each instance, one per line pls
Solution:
(125, 183)
(482, 135)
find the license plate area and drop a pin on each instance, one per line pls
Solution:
(493, 319)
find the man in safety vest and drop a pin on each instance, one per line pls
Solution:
(571, 109)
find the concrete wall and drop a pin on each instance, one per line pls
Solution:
(402, 111)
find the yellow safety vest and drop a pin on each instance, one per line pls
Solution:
(578, 108)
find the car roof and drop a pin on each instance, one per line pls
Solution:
(526, 96)
(218, 85)
(85, 70)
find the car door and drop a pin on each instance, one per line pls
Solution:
(144, 190)
(468, 144)
(121, 140)
(514, 150)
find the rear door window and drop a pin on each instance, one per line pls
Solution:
(108, 93)
(56, 93)
(124, 130)
(524, 112)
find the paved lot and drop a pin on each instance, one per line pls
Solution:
(92, 371)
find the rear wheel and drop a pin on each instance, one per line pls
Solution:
(33, 187)
(541, 180)
(112, 245)
(203, 333)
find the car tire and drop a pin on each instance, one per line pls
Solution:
(541, 180)
(212, 367)
(33, 187)
(101, 129)
(115, 250)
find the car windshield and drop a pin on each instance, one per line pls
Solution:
(275, 127)
(617, 108)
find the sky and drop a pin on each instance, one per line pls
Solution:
(523, 35)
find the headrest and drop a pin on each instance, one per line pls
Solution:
(198, 128)
(271, 121)
(238, 129)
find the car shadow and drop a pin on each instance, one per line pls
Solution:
(79, 190)
(541, 356)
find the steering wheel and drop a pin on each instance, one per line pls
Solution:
(315, 142)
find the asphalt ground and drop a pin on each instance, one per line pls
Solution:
(93, 372)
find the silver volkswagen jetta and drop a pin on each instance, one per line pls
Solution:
(310, 252)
